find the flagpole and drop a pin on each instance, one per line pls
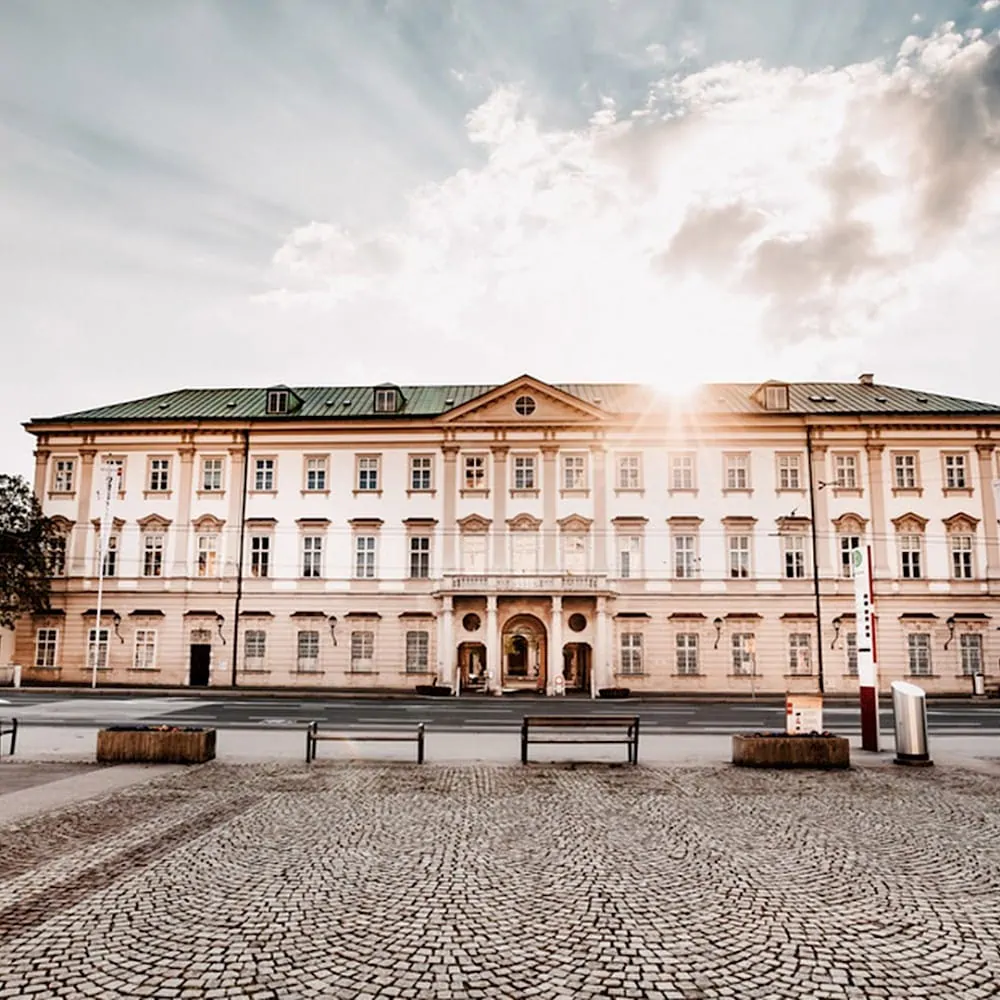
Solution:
(108, 476)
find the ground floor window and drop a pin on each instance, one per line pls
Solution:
(362, 650)
(144, 657)
(687, 653)
(417, 651)
(800, 653)
(631, 652)
(743, 647)
(46, 646)
(97, 649)
(254, 649)
(308, 650)
(918, 646)
(851, 642)
(971, 648)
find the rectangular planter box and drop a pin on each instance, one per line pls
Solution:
(155, 746)
(791, 751)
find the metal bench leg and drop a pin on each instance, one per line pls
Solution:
(635, 742)
(420, 743)
(524, 741)
(311, 742)
(13, 737)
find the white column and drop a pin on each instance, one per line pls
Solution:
(602, 659)
(555, 665)
(493, 651)
(182, 538)
(447, 658)
(550, 509)
(600, 509)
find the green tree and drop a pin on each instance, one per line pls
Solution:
(26, 538)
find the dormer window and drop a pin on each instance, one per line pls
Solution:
(387, 399)
(277, 400)
(776, 397)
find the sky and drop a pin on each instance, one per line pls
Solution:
(358, 191)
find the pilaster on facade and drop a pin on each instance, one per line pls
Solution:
(41, 472)
(599, 457)
(449, 530)
(879, 527)
(185, 488)
(986, 458)
(821, 509)
(78, 558)
(499, 484)
(550, 495)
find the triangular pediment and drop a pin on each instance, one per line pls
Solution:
(525, 400)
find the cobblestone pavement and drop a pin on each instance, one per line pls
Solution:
(389, 880)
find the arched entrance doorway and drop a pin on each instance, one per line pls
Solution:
(524, 651)
(576, 666)
(472, 664)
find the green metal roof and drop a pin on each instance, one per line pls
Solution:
(617, 398)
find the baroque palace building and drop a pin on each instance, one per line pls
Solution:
(525, 536)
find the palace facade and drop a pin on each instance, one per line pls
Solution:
(525, 536)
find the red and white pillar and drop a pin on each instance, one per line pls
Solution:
(864, 608)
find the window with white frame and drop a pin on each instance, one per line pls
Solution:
(970, 647)
(687, 652)
(575, 551)
(420, 557)
(208, 554)
(263, 475)
(473, 545)
(776, 397)
(211, 475)
(474, 472)
(144, 654)
(56, 555)
(904, 466)
(362, 650)
(789, 472)
(159, 475)
(851, 645)
(254, 649)
(918, 648)
(800, 653)
(316, 469)
(739, 556)
(630, 647)
(153, 544)
(312, 556)
(386, 400)
(368, 473)
(574, 472)
(685, 557)
(97, 650)
(845, 471)
(63, 478)
(46, 647)
(961, 556)
(794, 556)
(910, 552)
(743, 644)
(307, 648)
(737, 471)
(260, 556)
(277, 401)
(364, 557)
(524, 472)
(110, 554)
(848, 543)
(524, 551)
(418, 642)
(629, 472)
(682, 469)
(629, 556)
(421, 473)
(955, 472)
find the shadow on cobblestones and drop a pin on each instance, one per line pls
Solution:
(389, 880)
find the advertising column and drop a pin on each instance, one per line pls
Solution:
(861, 560)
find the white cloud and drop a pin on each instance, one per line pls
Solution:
(744, 214)
(989, 5)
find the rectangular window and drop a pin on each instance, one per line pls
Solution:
(742, 649)
(152, 554)
(685, 560)
(420, 557)
(739, 557)
(117, 467)
(918, 646)
(362, 650)
(110, 555)
(63, 478)
(574, 472)
(848, 543)
(800, 653)
(315, 474)
(524, 551)
(159, 475)
(955, 477)
(97, 650)
(277, 401)
(308, 650)
(909, 557)
(260, 556)
(364, 557)
(737, 472)
(524, 472)
(905, 471)
(254, 649)
(687, 652)
(417, 651)
(961, 557)
(631, 652)
(794, 554)
(475, 472)
(57, 555)
(144, 656)
(385, 400)
(46, 647)
(208, 555)
(682, 472)
(421, 469)
(851, 644)
(263, 475)
(368, 478)
(789, 472)
(312, 557)
(970, 645)
(629, 472)
(845, 472)
(629, 556)
(211, 475)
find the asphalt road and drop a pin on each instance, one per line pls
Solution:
(457, 714)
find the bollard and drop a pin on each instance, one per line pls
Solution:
(909, 710)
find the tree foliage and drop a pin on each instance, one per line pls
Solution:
(26, 536)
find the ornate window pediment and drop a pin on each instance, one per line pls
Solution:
(474, 523)
(910, 523)
(208, 522)
(791, 525)
(961, 524)
(576, 522)
(524, 522)
(154, 522)
(63, 525)
(117, 523)
(850, 524)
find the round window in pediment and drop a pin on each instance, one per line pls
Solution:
(471, 622)
(524, 405)
(577, 622)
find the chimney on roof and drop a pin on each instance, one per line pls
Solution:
(866, 379)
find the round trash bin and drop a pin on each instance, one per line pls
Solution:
(978, 685)
(909, 709)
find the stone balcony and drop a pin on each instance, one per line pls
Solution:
(525, 583)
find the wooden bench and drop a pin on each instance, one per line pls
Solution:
(314, 736)
(609, 730)
(8, 729)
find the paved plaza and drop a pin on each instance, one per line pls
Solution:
(358, 880)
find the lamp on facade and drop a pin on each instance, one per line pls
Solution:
(718, 632)
(950, 622)
(220, 620)
(116, 620)
(836, 623)
(333, 628)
